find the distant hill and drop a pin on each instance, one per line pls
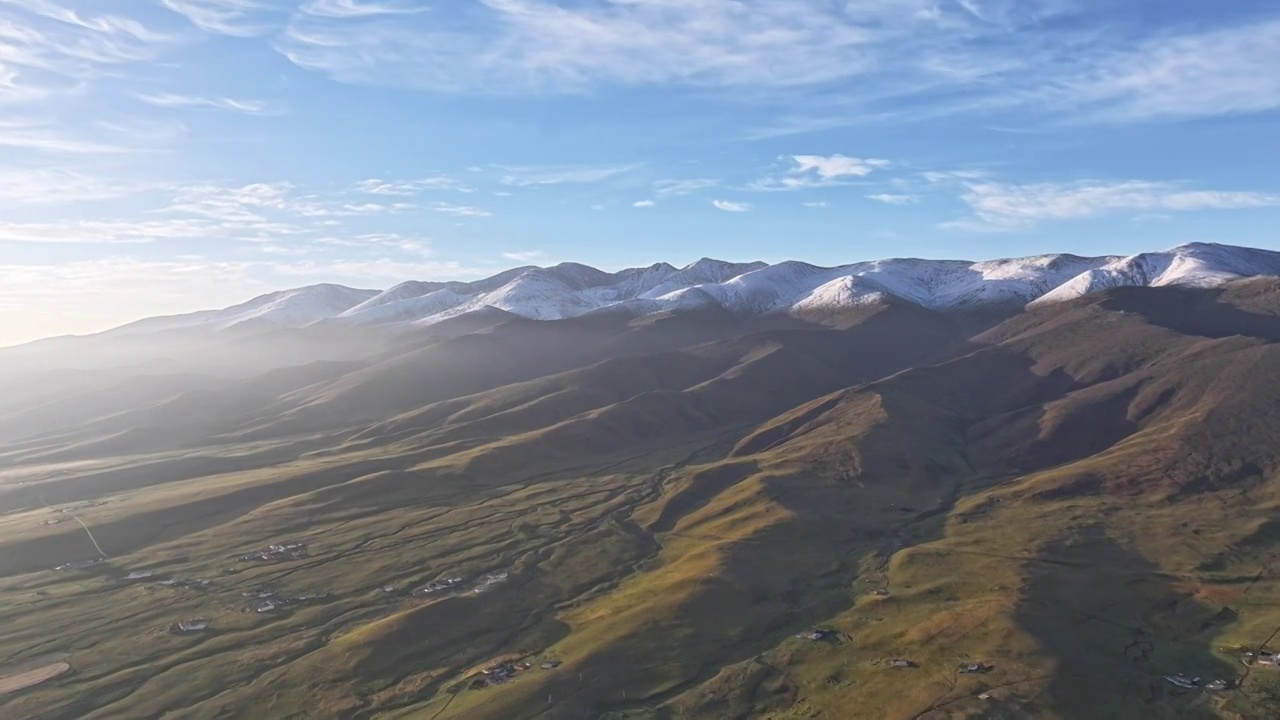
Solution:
(723, 491)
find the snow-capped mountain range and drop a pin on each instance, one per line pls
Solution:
(570, 290)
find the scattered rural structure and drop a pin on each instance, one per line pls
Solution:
(79, 564)
(436, 586)
(499, 673)
(137, 575)
(816, 635)
(902, 663)
(1220, 685)
(196, 583)
(273, 600)
(1183, 681)
(276, 553)
(488, 581)
(975, 669)
(186, 627)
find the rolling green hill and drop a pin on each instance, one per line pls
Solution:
(1081, 498)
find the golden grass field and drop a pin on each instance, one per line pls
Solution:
(1083, 515)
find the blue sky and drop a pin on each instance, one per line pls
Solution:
(167, 155)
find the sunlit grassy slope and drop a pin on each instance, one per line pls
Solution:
(1082, 497)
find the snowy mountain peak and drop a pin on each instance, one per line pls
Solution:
(744, 289)
(286, 308)
(1194, 264)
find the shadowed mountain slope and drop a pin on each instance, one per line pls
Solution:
(1078, 497)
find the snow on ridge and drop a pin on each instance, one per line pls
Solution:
(746, 289)
(1195, 264)
(286, 308)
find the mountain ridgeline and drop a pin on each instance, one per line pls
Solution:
(1034, 488)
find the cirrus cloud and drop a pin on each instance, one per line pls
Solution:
(731, 206)
(810, 171)
(1004, 205)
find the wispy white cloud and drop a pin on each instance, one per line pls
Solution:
(1199, 73)
(523, 45)
(409, 188)
(1002, 205)
(256, 212)
(238, 18)
(46, 47)
(117, 232)
(109, 24)
(643, 204)
(893, 198)
(541, 176)
(235, 204)
(412, 245)
(461, 210)
(944, 176)
(664, 188)
(358, 8)
(250, 107)
(256, 201)
(731, 206)
(46, 185)
(314, 208)
(526, 256)
(816, 204)
(810, 171)
(45, 137)
(835, 167)
(832, 63)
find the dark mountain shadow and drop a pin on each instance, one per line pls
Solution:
(1193, 311)
(1117, 627)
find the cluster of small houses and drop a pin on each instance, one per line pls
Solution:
(71, 509)
(436, 586)
(187, 627)
(192, 583)
(826, 635)
(276, 553)
(488, 581)
(1264, 658)
(1194, 683)
(453, 583)
(504, 671)
(79, 564)
(1261, 658)
(272, 600)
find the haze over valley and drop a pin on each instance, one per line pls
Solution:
(1045, 487)
(639, 360)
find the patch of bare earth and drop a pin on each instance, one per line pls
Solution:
(23, 680)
